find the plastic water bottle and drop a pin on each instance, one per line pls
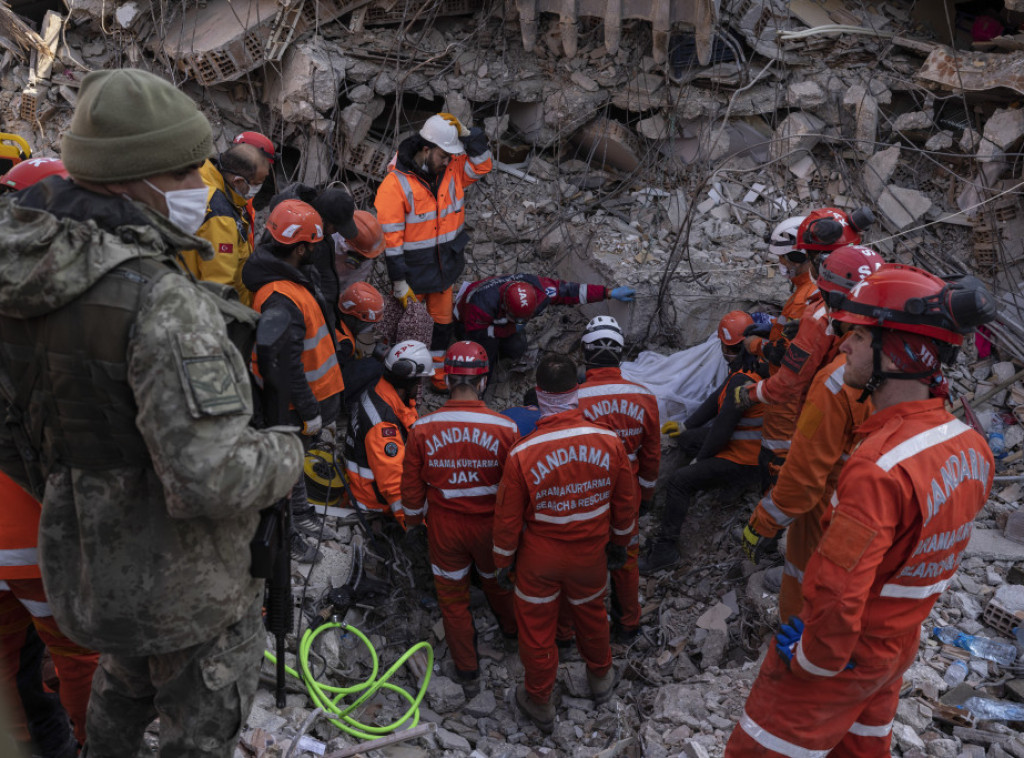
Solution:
(1003, 653)
(955, 674)
(995, 710)
(996, 440)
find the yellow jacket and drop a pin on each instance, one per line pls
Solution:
(226, 227)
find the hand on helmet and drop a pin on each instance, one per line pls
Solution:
(622, 294)
(476, 142)
(452, 119)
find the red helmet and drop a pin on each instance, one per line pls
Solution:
(257, 140)
(28, 172)
(294, 221)
(363, 301)
(843, 268)
(465, 359)
(826, 229)
(519, 300)
(730, 328)
(911, 300)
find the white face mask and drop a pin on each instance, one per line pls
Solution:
(254, 190)
(186, 208)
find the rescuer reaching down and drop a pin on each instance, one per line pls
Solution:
(453, 460)
(564, 515)
(723, 439)
(495, 310)
(832, 681)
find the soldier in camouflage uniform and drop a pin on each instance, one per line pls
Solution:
(129, 410)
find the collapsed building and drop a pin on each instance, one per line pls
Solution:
(653, 144)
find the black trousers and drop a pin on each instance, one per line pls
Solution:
(512, 347)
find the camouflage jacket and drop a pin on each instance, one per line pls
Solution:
(151, 557)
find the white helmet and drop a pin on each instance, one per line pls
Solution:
(438, 131)
(783, 237)
(602, 342)
(409, 359)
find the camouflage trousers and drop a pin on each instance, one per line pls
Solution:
(201, 694)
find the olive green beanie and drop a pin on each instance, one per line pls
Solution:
(130, 124)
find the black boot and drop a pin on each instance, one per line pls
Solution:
(660, 554)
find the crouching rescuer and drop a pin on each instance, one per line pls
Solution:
(453, 460)
(564, 516)
(900, 520)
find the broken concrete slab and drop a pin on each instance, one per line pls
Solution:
(991, 545)
(862, 126)
(878, 170)
(1005, 129)
(797, 134)
(900, 206)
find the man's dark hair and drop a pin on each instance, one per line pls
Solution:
(556, 373)
(240, 161)
(279, 249)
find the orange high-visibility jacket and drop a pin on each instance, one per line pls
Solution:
(804, 288)
(821, 444)
(568, 481)
(632, 411)
(319, 359)
(454, 459)
(902, 516)
(19, 531)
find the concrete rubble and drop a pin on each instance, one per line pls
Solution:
(654, 152)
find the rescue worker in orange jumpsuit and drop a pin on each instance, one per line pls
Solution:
(360, 308)
(812, 347)
(279, 273)
(378, 428)
(900, 520)
(632, 411)
(822, 442)
(453, 460)
(724, 439)
(564, 515)
(23, 606)
(421, 206)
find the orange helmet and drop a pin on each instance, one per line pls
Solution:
(294, 221)
(826, 229)
(363, 301)
(258, 140)
(730, 328)
(30, 171)
(370, 241)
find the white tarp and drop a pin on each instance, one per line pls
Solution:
(683, 380)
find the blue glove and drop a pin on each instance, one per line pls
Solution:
(757, 330)
(788, 636)
(622, 294)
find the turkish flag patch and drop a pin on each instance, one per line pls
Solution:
(225, 247)
(388, 431)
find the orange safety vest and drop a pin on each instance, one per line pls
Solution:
(319, 360)
(744, 445)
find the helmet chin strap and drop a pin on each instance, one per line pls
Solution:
(878, 376)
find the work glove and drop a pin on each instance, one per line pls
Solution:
(503, 577)
(616, 555)
(790, 329)
(756, 546)
(452, 119)
(773, 352)
(403, 293)
(788, 637)
(741, 397)
(476, 142)
(312, 427)
(622, 294)
(673, 428)
(757, 330)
